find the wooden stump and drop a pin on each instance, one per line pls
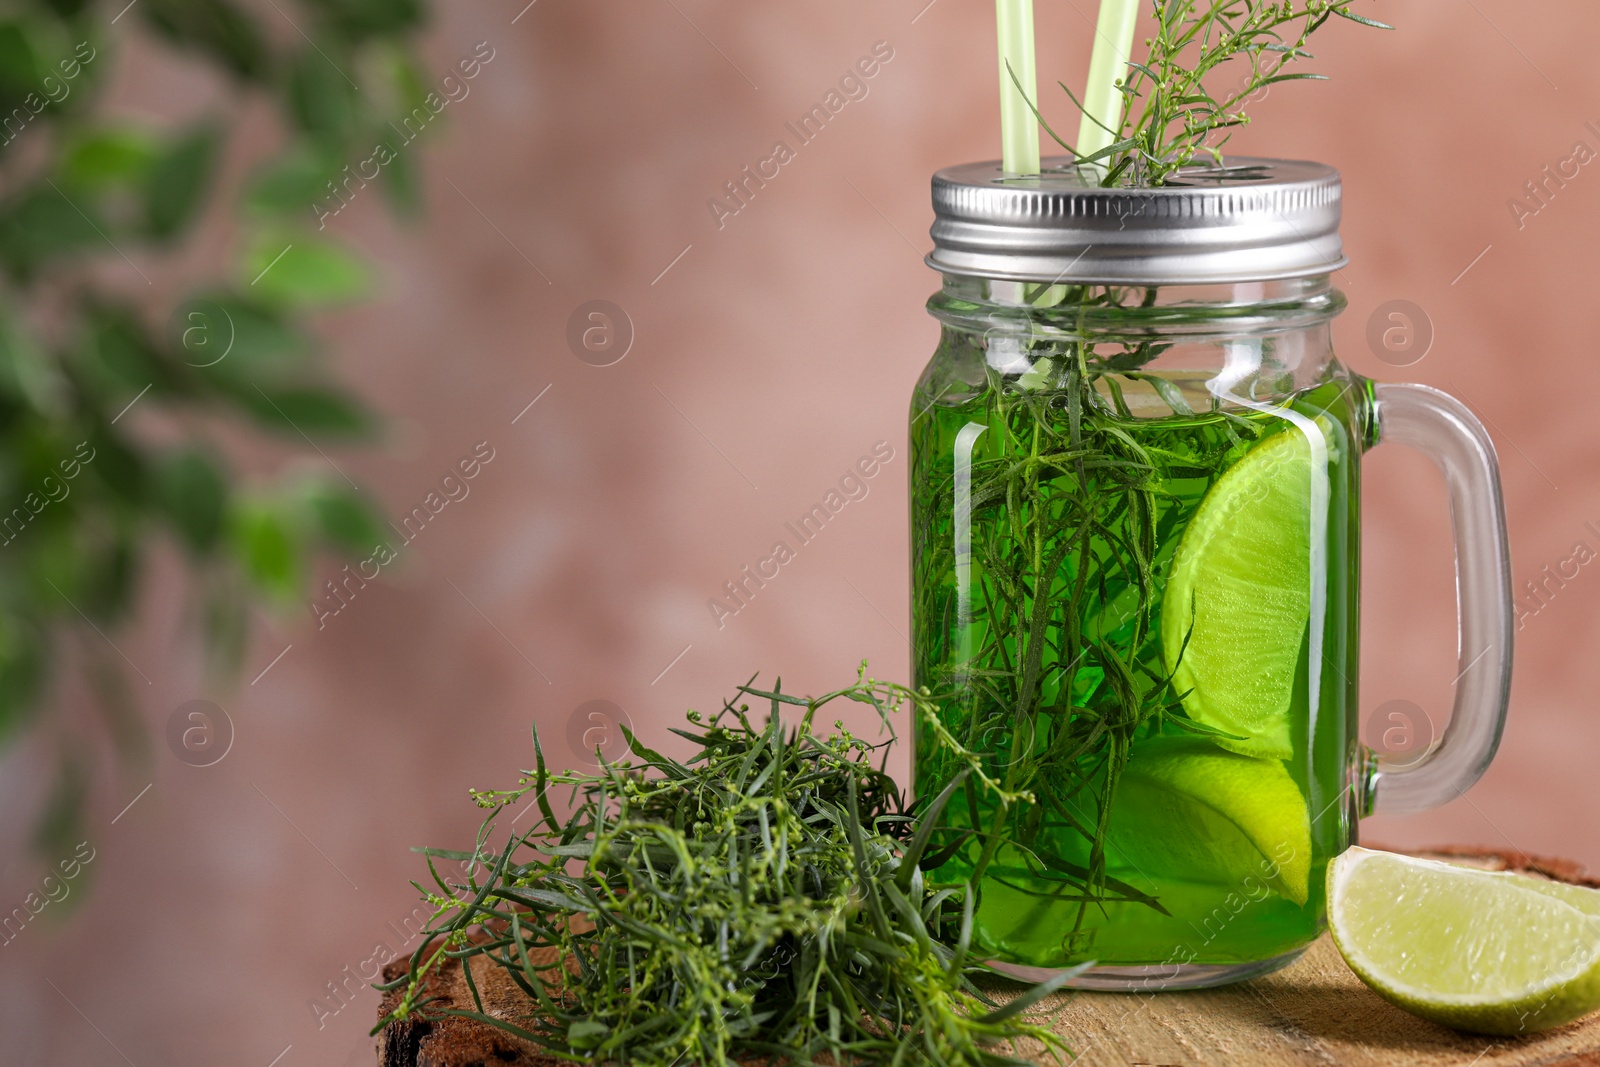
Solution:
(1315, 1013)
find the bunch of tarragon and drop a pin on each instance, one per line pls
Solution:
(759, 900)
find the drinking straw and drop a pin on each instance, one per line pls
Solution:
(1019, 128)
(1102, 103)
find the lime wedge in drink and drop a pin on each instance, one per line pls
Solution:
(1185, 808)
(1486, 951)
(1239, 590)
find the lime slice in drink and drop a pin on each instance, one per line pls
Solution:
(1186, 809)
(1486, 951)
(1240, 590)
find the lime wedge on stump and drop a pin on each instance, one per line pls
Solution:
(1486, 951)
(1239, 591)
(1184, 805)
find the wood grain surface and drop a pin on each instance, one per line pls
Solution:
(1314, 1012)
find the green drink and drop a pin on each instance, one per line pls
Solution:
(1151, 840)
(1135, 552)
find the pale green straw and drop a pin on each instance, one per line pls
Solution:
(1102, 103)
(1019, 127)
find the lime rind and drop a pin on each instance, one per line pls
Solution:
(1237, 602)
(1484, 951)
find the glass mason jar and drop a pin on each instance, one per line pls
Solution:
(1135, 524)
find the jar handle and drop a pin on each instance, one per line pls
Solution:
(1443, 429)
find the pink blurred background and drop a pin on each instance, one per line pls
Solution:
(768, 354)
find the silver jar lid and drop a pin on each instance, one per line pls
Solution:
(1251, 219)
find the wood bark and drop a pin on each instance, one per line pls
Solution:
(1314, 1013)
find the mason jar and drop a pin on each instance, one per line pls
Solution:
(1135, 503)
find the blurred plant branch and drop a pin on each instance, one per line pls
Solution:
(108, 328)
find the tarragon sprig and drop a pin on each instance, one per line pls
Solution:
(1178, 101)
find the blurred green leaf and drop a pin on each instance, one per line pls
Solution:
(177, 182)
(358, 19)
(115, 156)
(268, 543)
(44, 76)
(60, 827)
(345, 518)
(121, 357)
(68, 8)
(411, 86)
(403, 184)
(46, 467)
(27, 373)
(21, 68)
(291, 185)
(107, 565)
(22, 664)
(308, 410)
(322, 98)
(301, 269)
(193, 493)
(213, 27)
(113, 464)
(42, 225)
(236, 339)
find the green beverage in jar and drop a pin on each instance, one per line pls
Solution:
(1134, 505)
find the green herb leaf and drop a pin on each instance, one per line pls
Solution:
(1346, 13)
(307, 411)
(345, 518)
(194, 494)
(117, 155)
(300, 269)
(268, 542)
(212, 26)
(176, 185)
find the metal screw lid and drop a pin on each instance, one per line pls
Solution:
(1250, 219)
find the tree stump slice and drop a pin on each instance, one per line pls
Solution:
(1314, 1013)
